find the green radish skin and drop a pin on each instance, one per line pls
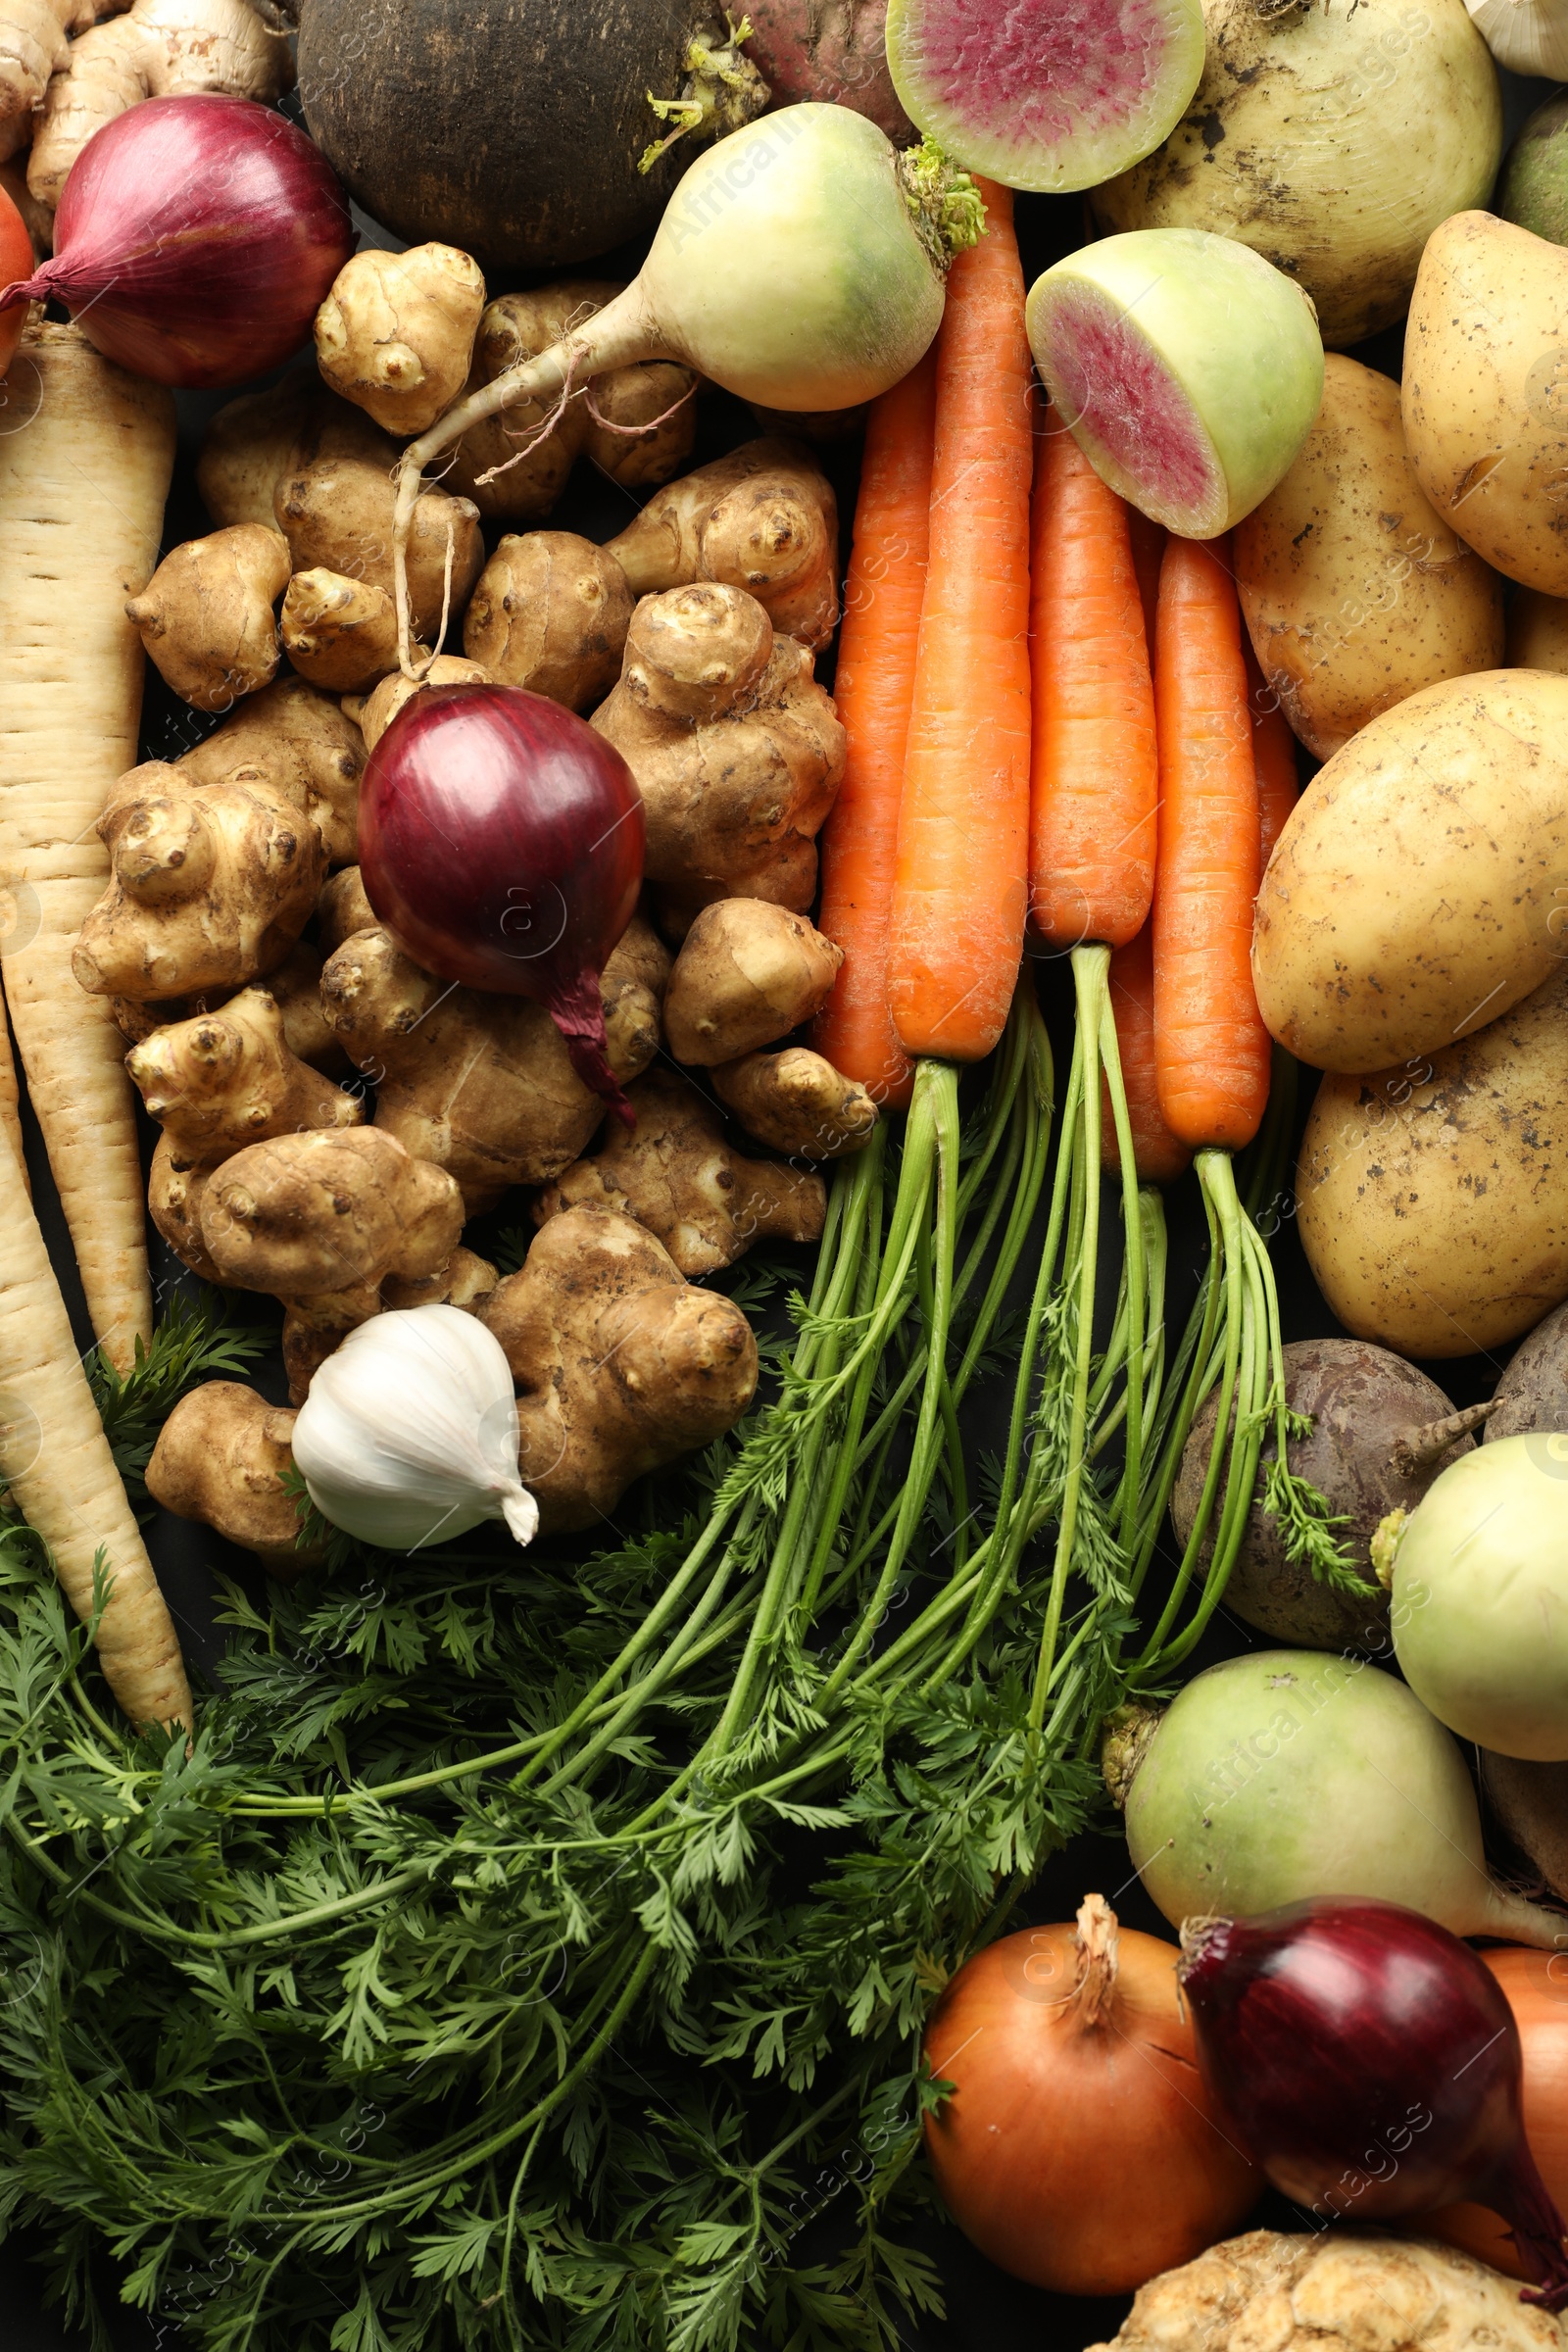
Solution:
(800, 265)
(1289, 1774)
(1045, 94)
(1189, 370)
(1481, 1597)
(788, 267)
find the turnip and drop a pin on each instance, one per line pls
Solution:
(1533, 192)
(1478, 1574)
(1050, 94)
(1332, 138)
(1189, 370)
(799, 265)
(1289, 1774)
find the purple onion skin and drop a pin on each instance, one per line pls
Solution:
(196, 237)
(501, 842)
(1370, 2064)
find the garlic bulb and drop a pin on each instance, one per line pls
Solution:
(1527, 36)
(408, 1434)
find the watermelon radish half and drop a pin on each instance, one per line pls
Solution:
(1047, 94)
(1187, 368)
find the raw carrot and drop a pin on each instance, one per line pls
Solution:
(1210, 1045)
(83, 478)
(1274, 756)
(874, 689)
(961, 883)
(1161, 1156)
(1148, 553)
(54, 1460)
(1094, 781)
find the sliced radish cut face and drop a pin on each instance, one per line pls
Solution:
(1187, 368)
(1129, 413)
(1047, 94)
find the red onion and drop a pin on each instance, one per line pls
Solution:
(1370, 2063)
(196, 239)
(502, 841)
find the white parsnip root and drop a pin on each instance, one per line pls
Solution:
(56, 1461)
(82, 488)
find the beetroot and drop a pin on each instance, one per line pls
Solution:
(834, 50)
(1050, 94)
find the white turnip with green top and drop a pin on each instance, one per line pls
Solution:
(1289, 1774)
(1478, 1574)
(801, 263)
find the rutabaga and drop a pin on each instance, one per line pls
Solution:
(408, 1434)
(1289, 1774)
(800, 263)
(1478, 1574)
(1189, 370)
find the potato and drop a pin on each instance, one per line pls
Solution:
(1486, 393)
(1434, 1198)
(1420, 886)
(1355, 591)
(1538, 632)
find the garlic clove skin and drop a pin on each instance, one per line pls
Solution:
(1527, 36)
(408, 1434)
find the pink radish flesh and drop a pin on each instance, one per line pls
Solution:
(1047, 93)
(1114, 391)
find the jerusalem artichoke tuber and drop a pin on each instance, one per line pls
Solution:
(551, 612)
(334, 508)
(396, 333)
(320, 1221)
(206, 616)
(748, 973)
(226, 1079)
(298, 738)
(480, 1085)
(763, 518)
(678, 1176)
(643, 432)
(737, 752)
(620, 1364)
(381, 707)
(342, 910)
(211, 883)
(163, 49)
(340, 634)
(221, 1458)
(796, 1103)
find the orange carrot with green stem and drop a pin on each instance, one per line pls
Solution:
(1212, 1058)
(1095, 789)
(956, 937)
(875, 690)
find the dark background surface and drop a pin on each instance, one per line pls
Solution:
(986, 2311)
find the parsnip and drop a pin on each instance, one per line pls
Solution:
(81, 504)
(9, 1098)
(56, 1461)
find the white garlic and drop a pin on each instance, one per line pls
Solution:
(408, 1434)
(1527, 36)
